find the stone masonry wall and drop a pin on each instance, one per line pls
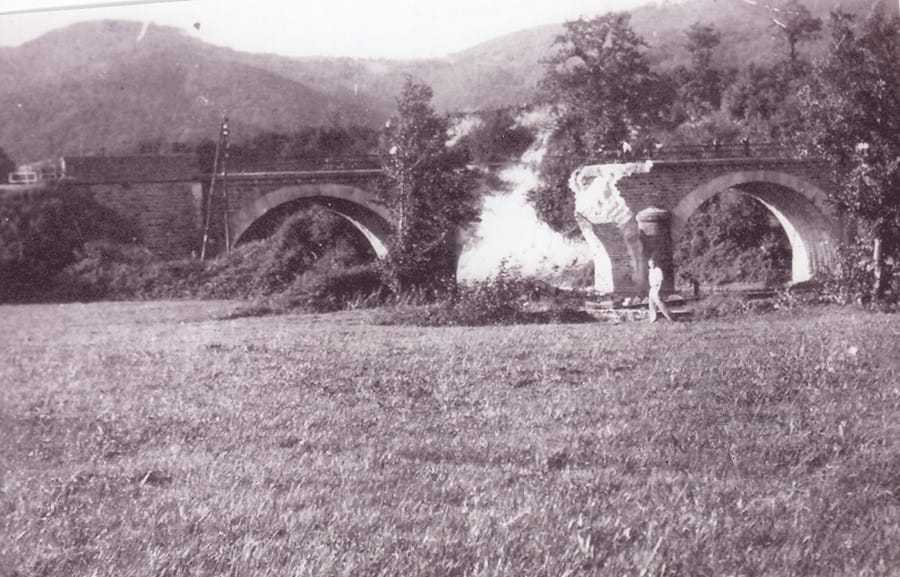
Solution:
(166, 217)
(667, 183)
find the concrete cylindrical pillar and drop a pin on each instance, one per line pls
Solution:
(656, 237)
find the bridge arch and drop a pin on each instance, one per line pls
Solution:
(800, 206)
(357, 206)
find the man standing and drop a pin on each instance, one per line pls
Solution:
(655, 276)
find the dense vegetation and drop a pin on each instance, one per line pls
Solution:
(733, 239)
(431, 188)
(845, 106)
(309, 249)
(42, 234)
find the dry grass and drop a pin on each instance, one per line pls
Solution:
(154, 439)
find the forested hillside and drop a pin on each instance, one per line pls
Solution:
(102, 86)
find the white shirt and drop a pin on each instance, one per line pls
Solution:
(655, 277)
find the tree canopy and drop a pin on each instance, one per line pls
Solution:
(701, 91)
(795, 24)
(852, 110)
(430, 187)
(603, 92)
(599, 76)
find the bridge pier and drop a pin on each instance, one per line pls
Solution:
(621, 251)
(614, 250)
(656, 242)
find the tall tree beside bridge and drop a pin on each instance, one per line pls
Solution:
(853, 111)
(430, 187)
(599, 82)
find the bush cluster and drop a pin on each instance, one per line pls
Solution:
(115, 271)
(324, 289)
(499, 300)
(504, 299)
(852, 278)
(498, 138)
(724, 305)
(311, 260)
(41, 234)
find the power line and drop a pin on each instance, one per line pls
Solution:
(89, 6)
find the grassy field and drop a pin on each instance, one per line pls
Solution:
(155, 439)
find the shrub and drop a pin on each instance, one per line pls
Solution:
(504, 299)
(107, 270)
(301, 240)
(236, 274)
(723, 305)
(499, 138)
(41, 233)
(325, 289)
(498, 300)
(262, 268)
(852, 278)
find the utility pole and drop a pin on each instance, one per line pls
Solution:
(218, 160)
(226, 210)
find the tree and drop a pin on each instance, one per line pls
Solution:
(599, 83)
(40, 234)
(853, 112)
(6, 166)
(702, 92)
(431, 189)
(764, 100)
(497, 138)
(795, 24)
(600, 74)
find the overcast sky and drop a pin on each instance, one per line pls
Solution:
(363, 28)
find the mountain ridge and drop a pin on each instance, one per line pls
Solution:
(107, 86)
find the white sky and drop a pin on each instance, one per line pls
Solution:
(361, 28)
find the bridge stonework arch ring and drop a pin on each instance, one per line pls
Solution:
(357, 206)
(800, 206)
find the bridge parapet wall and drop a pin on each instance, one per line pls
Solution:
(669, 181)
(245, 188)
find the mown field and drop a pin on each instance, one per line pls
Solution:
(155, 439)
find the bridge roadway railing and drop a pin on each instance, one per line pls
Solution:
(688, 152)
(335, 164)
(371, 163)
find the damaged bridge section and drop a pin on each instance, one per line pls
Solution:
(629, 212)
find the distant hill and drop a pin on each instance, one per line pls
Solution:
(506, 70)
(96, 86)
(92, 87)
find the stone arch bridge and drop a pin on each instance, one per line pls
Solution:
(166, 199)
(252, 199)
(629, 211)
